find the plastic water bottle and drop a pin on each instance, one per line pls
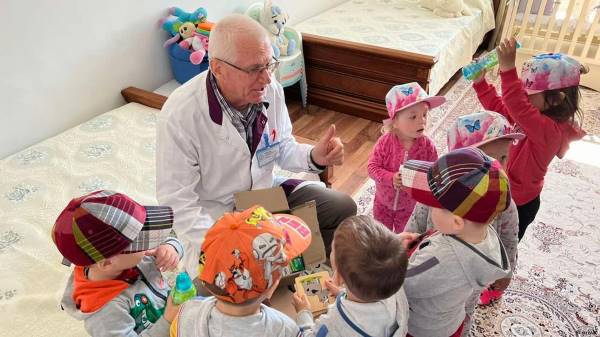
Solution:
(490, 60)
(184, 288)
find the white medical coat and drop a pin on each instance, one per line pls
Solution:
(202, 160)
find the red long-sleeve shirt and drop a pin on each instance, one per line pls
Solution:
(529, 159)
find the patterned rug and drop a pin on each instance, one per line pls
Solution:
(556, 287)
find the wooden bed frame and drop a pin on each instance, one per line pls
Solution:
(154, 100)
(353, 77)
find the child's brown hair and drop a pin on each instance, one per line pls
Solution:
(563, 104)
(370, 258)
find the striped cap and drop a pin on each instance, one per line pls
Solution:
(102, 224)
(466, 182)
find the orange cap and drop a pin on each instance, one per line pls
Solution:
(244, 252)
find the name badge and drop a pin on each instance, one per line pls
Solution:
(269, 153)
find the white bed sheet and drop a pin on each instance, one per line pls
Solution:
(112, 151)
(403, 25)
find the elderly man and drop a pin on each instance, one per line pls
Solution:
(224, 131)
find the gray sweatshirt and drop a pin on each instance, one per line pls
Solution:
(442, 274)
(136, 311)
(383, 318)
(506, 225)
(199, 317)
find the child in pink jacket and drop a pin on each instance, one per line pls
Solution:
(403, 139)
(544, 104)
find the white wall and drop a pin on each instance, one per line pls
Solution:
(65, 61)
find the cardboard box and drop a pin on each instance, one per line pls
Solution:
(274, 201)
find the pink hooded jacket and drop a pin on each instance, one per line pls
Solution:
(385, 160)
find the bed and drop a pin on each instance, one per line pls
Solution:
(114, 150)
(568, 26)
(356, 51)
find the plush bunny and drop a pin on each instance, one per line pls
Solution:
(274, 19)
(199, 45)
(446, 8)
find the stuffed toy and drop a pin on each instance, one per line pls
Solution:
(446, 8)
(198, 15)
(274, 19)
(198, 44)
(190, 39)
(185, 31)
(172, 25)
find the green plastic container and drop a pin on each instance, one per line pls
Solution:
(184, 288)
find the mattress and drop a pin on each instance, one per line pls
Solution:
(404, 25)
(112, 151)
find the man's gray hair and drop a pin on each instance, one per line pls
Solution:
(223, 38)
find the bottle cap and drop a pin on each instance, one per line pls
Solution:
(183, 282)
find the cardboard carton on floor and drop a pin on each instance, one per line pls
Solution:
(274, 201)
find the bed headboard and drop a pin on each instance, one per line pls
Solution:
(496, 4)
(500, 7)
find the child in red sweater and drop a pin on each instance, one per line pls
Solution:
(544, 104)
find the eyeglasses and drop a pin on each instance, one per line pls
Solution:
(256, 70)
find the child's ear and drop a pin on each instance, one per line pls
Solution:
(338, 280)
(458, 223)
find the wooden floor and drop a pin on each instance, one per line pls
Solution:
(358, 135)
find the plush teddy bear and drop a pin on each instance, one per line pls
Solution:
(273, 18)
(446, 8)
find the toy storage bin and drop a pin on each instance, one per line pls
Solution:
(182, 68)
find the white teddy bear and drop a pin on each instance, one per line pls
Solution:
(446, 8)
(273, 18)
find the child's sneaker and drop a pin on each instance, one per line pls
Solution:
(490, 296)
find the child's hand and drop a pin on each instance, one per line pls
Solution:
(300, 302)
(166, 257)
(171, 309)
(334, 290)
(397, 180)
(481, 76)
(507, 54)
(407, 238)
